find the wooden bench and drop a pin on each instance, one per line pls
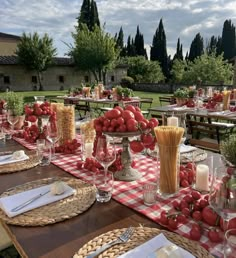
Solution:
(167, 100)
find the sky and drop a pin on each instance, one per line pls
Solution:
(181, 19)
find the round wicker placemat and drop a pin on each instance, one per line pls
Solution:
(51, 213)
(141, 235)
(33, 161)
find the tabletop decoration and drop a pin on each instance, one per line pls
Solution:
(61, 210)
(140, 236)
(168, 140)
(126, 123)
(184, 96)
(33, 161)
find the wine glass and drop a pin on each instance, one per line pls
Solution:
(222, 197)
(52, 135)
(12, 118)
(105, 154)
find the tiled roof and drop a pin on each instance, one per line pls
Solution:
(8, 36)
(12, 60)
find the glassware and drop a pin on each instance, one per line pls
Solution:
(222, 197)
(149, 193)
(12, 119)
(44, 152)
(230, 246)
(105, 155)
(52, 135)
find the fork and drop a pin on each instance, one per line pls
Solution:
(123, 238)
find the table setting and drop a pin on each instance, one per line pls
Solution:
(84, 191)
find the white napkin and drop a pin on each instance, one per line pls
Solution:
(9, 202)
(186, 148)
(147, 249)
(7, 159)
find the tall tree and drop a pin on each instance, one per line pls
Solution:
(120, 42)
(219, 50)
(94, 51)
(36, 53)
(130, 47)
(139, 44)
(179, 51)
(211, 45)
(158, 49)
(228, 40)
(196, 48)
(88, 15)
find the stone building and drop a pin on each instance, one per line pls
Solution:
(62, 74)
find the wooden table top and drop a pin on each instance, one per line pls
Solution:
(63, 239)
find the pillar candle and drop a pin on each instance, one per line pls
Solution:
(88, 149)
(172, 121)
(202, 177)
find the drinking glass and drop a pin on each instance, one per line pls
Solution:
(230, 247)
(222, 197)
(44, 152)
(53, 135)
(12, 119)
(105, 155)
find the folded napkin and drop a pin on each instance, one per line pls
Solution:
(7, 159)
(187, 148)
(9, 202)
(147, 250)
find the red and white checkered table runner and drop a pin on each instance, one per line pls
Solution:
(130, 193)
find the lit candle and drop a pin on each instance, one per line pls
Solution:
(172, 121)
(202, 177)
(88, 149)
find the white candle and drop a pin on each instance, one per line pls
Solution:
(172, 121)
(202, 177)
(88, 149)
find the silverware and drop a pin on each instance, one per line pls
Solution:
(123, 238)
(19, 207)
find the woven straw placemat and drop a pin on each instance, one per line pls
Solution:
(33, 161)
(140, 236)
(69, 207)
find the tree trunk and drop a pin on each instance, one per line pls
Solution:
(40, 83)
(95, 75)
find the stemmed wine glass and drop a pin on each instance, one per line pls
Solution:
(52, 135)
(12, 118)
(222, 197)
(105, 154)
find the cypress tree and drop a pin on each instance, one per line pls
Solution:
(139, 44)
(120, 42)
(219, 50)
(94, 19)
(196, 48)
(211, 46)
(179, 51)
(228, 40)
(158, 49)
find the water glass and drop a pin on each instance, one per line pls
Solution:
(104, 186)
(149, 193)
(44, 152)
(230, 245)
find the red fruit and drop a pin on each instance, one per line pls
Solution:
(214, 236)
(131, 108)
(195, 234)
(147, 139)
(231, 224)
(127, 114)
(181, 218)
(164, 220)
(154, 121)
(132, 125)
(136, 146)
(176, 204)
(184, 183)
(196, 195)
(173, 223)
(186, 212)
(203, 203)
(183, 204)
(188, 198)
(210, 217)
(197, 215)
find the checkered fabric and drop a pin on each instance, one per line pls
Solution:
(130, 193)
(3, 119)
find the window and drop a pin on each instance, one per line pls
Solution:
(34, 79)
(86, 78)
(61, 79)
(6, 79)
(112, 78)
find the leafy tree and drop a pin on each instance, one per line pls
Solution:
(158, 49)
(143, 70)
(88, 15)
(94, 51)
(36, 53)
(178, 70)
(228, 40)
(210, 69)
(196, 48)
(179, 51)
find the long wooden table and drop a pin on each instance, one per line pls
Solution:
(63, 239)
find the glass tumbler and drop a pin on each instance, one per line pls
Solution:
(230, 243)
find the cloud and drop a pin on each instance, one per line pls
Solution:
(181, 18)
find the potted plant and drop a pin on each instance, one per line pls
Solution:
(182, 96)
(15, 104)
(228, 150)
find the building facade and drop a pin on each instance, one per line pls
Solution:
(61, 75)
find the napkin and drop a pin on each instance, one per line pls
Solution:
(186, 148)
(7, 159)
(9, 202)
(147, 249)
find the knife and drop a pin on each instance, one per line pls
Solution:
(19, 207)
